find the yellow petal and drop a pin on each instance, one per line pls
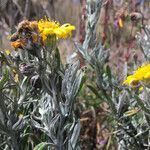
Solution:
(7, 51)
(120, 23)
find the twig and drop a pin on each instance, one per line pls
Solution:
(27, 9)
(19, 8)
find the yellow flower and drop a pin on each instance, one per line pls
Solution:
(7, 51)
(51, 28)
(141, 74)
(64, 31)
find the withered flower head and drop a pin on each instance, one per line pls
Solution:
(34, 25)
(19, 43)
(26, 25)
(26, 36)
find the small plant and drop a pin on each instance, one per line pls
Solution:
(129, 107)
(37, 102)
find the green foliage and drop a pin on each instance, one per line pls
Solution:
(130, 129)
(37, 100)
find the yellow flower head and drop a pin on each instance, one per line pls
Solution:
(141, 74)
(51, 28)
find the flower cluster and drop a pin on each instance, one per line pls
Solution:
(48, 28)
(142, 74)
(33, 33)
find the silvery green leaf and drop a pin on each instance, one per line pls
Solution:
(1, 116)
(75, 135)
(144, 42)
(18, 125)
(71, 57)
(81, 50)
(63, 110)
(122, 99)
(41, 146)
(72, 126)
(4, 78)
(71, 84)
